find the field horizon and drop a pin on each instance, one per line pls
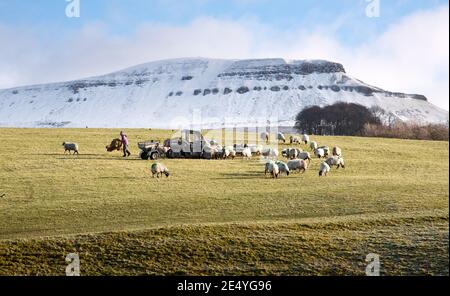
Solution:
(219, 217)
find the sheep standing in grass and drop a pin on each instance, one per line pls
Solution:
(228, 151)
(326, 150)
(270, 152)
(304, 155)
(159, 169)
(305, 138)
(313, 145)
(335, 161)
(294, 140)
(324, 169)
(272, 168)
(319, 152)
(293, 153)
(281, 137)
(283, 167)
(70, 147)
(247, 153)
(297, 164)
(337, 151)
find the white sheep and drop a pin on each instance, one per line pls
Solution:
(293, 153)
(272, 168)
(269, 152)
(281, 137)
(247, 153)
(335, 161)
(228, 151)
(313, 145)
(70, 147)
(283, 167)
(297, 164)
(326, 150)
(319, 152)
(305, 138)
(324, 169)
(159, 169)
(337, 151)
(294, 140)
(304, 155)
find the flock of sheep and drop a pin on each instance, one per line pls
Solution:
(300, 160)
(297, 159)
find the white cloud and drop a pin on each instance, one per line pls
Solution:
(411, 56)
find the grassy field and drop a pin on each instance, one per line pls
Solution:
(220, 216)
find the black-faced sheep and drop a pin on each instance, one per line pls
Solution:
(304, 155)
(335, 161)
(283, 167)
(272, 168)
(319, 152)
(297, 164)
(305, 138)
(247, 153)
(337, 151)
(269, 152)
(70, 147)
(159, 169)
(281, 137)
(326, 150)
(294, 140)
(324, 169)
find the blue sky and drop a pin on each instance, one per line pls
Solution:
(404, 49)
(122, 16)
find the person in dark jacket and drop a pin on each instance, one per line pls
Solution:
(124, 139)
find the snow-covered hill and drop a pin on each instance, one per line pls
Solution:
(203, 91)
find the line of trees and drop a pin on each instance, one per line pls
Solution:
(350, 119)
(345, 119)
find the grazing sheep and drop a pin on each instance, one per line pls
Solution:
(228, 151)
(337, 151)
(324, 169)
(304, 155)
(297, 164)
(269, 152)
(116, 144)
(305, 138)
(319, 152)
(326, 150)
(294, 140)
(283, 167)
(247, 153)
(272, 168)
(281, 137)
(313, 145)
(159, 169)
(285, 153)
(70, 147)
(293, 153)
(335, 160)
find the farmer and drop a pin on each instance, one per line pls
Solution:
(124, 140)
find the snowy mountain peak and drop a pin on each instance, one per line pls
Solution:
(156, 93)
